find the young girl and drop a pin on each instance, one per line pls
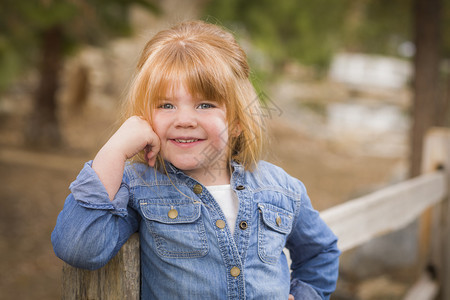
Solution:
(184, 170)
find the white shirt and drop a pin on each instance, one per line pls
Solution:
(228, 202)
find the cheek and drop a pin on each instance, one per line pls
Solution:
(158, 125)
(221, 131)
(158, 130)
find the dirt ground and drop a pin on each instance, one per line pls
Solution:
(34, 184)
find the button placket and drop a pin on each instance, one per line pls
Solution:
(235, 271)
(242, 235)
(220, 224)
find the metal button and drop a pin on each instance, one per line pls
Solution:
(198, 189)
(240, 187)
(220, 224)
(278, 220)
(173, 213)
(243, 225)
(235, 271)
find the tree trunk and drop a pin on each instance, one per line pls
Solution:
(426, 62)
(444, 96)
(43, 127)
(79, 88)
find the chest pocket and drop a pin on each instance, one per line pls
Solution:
(274, 226)
(177, 228)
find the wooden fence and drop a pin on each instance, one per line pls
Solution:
(354, 222)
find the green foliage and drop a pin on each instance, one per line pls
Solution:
(379, 26)
(10, 62)
(22, 24)
(306, 30)
(310, 31)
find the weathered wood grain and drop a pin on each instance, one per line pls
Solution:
(118, 280)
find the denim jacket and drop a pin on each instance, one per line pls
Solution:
(187, 249)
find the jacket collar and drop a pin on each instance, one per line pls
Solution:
(171, 169)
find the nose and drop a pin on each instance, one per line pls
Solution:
(185, 118)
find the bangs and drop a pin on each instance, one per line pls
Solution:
(201, 74)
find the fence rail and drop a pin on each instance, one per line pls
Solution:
(354, 222)
(360, 220)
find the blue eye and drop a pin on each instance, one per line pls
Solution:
(205, 106)
(166, 106)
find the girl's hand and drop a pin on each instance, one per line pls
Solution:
(291, 297)
(133, 136)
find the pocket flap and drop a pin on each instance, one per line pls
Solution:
(276, 218)
(170, 213)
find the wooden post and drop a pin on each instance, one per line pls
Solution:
(435, 247)
(119, 279)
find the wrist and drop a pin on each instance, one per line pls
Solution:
(112, 151)
(108, 156)
(109, 165)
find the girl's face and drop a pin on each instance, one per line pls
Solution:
(194, 136)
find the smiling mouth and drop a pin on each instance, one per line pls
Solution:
(186, 141)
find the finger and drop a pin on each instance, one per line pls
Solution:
(152, 162)
(146, 153)
(155, 145)
(153, 150)
(151, 158)
(151, 154)
(291, 297)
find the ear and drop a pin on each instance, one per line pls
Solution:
(236, 130)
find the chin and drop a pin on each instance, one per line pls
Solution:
(185, 164)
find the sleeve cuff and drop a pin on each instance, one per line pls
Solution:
(303, 291)
(88, 190)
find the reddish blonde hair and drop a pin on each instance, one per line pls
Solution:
(210, 64)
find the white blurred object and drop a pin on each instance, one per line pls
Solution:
(380, 130)
(407, 49)
(363, 70)
(359, 118)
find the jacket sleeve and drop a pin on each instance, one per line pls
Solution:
(91, 229)
(314, 253)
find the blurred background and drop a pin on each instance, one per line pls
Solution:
(349, 86)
